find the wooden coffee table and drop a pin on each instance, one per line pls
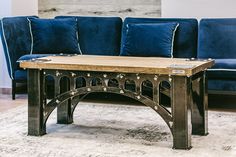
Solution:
(183, 80)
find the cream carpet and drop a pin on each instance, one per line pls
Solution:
(103, 130)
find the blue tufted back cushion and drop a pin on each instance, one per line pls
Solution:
(99, 35)
(141, 41)
(54, 36)
(217, 38)
(16, 39)
(185, 43)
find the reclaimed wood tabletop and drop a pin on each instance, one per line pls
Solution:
(122, 64)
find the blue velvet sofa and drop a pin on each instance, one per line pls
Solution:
(211, 38)
(217, 40)
(15, 37)
(97, 36)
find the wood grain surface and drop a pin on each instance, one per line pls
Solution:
(121, 64)
(121, 8)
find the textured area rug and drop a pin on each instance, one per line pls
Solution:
(104, 130)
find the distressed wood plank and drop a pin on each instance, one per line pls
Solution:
(122, 8)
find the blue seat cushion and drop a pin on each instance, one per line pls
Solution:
(20, 75)
(99, 35)
(54, 36)
(225, 64)
(154, 40)
(223, 69)
(217, 38)
(221, 74)
(185, 42)
(222, 85)
(33, 56)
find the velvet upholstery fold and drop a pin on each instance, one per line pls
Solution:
(98, 35)
(16, 40)
(185, 45)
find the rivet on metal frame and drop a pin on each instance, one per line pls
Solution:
(105, 89)
(44, 101)
(44, 113)
(170, 79)
(156, 107)
(137, 76)
(88, 74)
(57, 73)
(155, 77)
(138, 97)
(44, 73)
(73, 93)
(104, 75)
(88, 89)
(121, 91)
(73, 74)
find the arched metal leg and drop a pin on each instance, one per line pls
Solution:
(81, 93)
(75, 102)
(67, 97)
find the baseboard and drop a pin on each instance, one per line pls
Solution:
(5, 91)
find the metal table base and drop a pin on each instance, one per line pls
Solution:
(188, 95)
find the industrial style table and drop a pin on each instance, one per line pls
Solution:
(187, 89)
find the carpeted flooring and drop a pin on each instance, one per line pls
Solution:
(104, 130)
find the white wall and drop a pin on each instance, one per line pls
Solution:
(24, 7)
(5, 82)
(5, 7)
(13, 8)
(198, 8)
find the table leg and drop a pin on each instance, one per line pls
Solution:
(200, 105)
(181, 112)
(36, 126)
(64, 113)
